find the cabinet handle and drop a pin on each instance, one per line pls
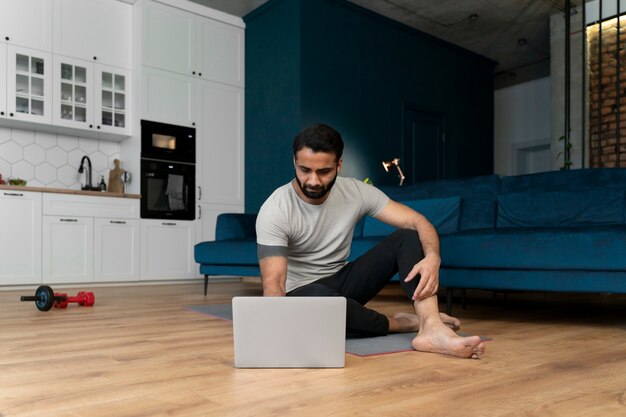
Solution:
(11, 114)
(90, 126)
(6, 38)
(1, 113)
(95, 58)
(117, 222)
(199, 211)
(98, 127)
(199, 192)
(70, 220)
(15, 194)
(168, 224)
(200, 74)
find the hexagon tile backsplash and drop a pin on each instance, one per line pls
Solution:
(50, 160)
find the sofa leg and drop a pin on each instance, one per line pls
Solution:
(206, 283)
(449, 292)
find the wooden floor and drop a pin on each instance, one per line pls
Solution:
(140, 352)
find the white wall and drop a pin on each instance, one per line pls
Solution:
(522, 121)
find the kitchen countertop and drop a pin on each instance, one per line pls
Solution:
(68, 191)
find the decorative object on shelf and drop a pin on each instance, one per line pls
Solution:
(17, 181)
(117, 178)
(102, 186)
(395, 162)
(2, 182)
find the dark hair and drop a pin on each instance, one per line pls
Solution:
(319, 138)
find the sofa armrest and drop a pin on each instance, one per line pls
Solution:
(235, 226)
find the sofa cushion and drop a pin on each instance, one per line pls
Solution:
(443, 213)
(560, 208)
(235, 226)
(478, 194)
(570, 180)
(600, 248)
(227, 252)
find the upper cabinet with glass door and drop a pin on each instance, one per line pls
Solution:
(28, 87)
(113, 109)
(74, 94)
(92, 97)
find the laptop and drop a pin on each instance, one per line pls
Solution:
(289, 332)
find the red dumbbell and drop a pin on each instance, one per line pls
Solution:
(83, 298)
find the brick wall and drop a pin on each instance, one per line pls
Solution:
(607, 136)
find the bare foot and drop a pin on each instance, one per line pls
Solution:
(438, 338)
(411, 323)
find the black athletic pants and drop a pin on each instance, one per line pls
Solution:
(361, 280)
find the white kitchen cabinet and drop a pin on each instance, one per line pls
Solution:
(89, 238)
(221, 56)
(20, 237)
(168, 97)
(3, 80)
(67, 249)
(221, 144)
(28, 85)
(190, 44)
(94, 30)
(92, 97)
(116, 250)
(169, 38)
(27, 23)
(167, 249)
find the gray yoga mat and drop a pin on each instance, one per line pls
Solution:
(367, 346)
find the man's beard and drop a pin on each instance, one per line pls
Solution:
(315, 193)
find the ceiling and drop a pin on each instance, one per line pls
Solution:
(514, 33)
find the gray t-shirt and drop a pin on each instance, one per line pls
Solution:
(315, 238)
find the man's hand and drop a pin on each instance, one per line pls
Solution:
(428, 269)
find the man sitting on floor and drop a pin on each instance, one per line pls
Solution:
(304, 231)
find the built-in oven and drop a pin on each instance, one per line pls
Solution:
(167, 190)
(168, 142)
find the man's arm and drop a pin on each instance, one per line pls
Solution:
(273, 275)
(401, 216)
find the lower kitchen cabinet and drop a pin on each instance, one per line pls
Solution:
(90, 239)
(67, 249)
(167, 249)
(116, 250)
(20, 237)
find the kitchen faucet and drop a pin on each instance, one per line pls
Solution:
(87, 185)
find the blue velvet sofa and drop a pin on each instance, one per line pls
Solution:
(553, 231)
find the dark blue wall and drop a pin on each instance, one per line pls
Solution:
(356, 70)
(272, 100)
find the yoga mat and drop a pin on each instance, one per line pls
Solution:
(366, 346)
